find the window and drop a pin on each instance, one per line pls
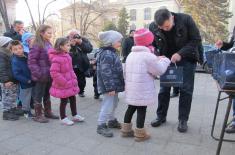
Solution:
(133, 26)
(147, 14)
(133, 15)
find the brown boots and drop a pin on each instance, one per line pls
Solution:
(38, 114)
(126, 130)
(48, 112)
(139, 134)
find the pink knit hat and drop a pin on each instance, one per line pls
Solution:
(143, 37)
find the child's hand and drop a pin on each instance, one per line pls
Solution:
(176, 58)
(160, 57)
(112, 93)
(8, 84)
(92, 62)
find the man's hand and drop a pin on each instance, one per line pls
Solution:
(176, 58)
(219, 44)
(79, 41)
(21, 32)
(112, 93)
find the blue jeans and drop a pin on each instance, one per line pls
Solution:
(108, 107)
(186, 93)
(25, 97)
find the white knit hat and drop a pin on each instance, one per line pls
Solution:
(109, 37)
(4, 40)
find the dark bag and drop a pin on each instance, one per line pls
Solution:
(210, 57)
(226, 71)
(216, 65)
(173, 77)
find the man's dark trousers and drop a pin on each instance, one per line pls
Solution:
(186, 93)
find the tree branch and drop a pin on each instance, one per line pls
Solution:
(43, 17)
(31, 16)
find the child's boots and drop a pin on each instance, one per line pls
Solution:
(141, 135)
(126, 130)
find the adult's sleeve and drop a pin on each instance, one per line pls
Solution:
(191, 48)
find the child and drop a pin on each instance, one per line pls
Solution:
(8, 83)
(110, 80)
(64, 84)
(39, 66)
(142, 66)
(27, 41)
(22, 73)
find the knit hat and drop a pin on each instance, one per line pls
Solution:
(109, 37)
(4, 40)
(143, 37)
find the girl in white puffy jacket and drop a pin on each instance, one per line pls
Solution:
(142, 66)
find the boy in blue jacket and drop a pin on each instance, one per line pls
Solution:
(22, 74)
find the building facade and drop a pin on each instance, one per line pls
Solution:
(141, 12)
(11, 10)
(94, 17)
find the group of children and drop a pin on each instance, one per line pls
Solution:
(42, 71)
(141, 69)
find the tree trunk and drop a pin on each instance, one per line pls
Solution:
(4, 14)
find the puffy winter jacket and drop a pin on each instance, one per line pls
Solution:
(142, 67)
(109, 71)
(64, 80)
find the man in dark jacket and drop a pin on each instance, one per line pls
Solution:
(79, 48)
(16, 32)
(127, 45)
(226, 46)
(176, 37)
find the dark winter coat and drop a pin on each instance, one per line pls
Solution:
(13, 35)
(21, 71)
(79, 55)
(39, 64)
(231, 43)
(187, 37)
(126, 47)
(109, 71)
(5, 66)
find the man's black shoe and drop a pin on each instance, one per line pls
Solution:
(157, 122)
(182, 127)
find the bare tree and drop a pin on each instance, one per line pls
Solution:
(44, 17)
(4, 14)
(87, 13)
(31, 15)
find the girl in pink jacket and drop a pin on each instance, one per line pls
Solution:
(65, 84)
(142, 66)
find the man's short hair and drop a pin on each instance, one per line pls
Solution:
(17, 22)
(161, 16)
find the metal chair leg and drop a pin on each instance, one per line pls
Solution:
(224, 125)
(215, 115)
